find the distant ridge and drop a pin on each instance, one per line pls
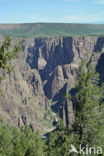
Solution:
(51, 30)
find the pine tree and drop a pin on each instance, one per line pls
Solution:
(7, 52)
(6, 147)
(88, 126)
(35, 143)
(58, 143)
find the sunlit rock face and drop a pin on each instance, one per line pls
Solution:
(43, 71)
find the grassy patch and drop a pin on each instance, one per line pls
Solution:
(52, 30)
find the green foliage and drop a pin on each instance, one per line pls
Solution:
(66, 95)
(1, 77)
(16, 143)
(87, 128)
(7, 52)
(59, 141)
(1, 92)
(5, 141)
(88, 125)
(53, 30)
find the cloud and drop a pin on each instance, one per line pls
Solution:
(82, 12)
(70, 0)
(37, 18)
(25, 18)
(84, 18)
(95, 1)
(99, 1)
(73, 1)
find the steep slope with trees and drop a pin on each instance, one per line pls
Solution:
(45, 69)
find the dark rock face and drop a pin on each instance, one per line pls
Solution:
(99, 44)
(43, 71)
(100, 67)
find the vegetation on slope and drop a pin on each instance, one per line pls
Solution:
(88, 126)
(87, 129)
(50, 29)
(7, 52)
(16, 143)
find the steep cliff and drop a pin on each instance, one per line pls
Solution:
(42, 72)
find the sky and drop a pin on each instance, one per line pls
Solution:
(57, 11)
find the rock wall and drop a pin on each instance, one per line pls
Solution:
(45, 68)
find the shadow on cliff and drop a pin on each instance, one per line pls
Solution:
(54, 54)
(33, 54)
(100, 67)
(64, 105)
(60, 98)
(99, 45)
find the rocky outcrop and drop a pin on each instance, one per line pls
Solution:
(43, 71)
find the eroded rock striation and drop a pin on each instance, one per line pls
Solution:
(42, 72)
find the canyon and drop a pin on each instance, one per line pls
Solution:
(43, 71)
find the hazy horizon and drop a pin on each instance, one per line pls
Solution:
(101, 23)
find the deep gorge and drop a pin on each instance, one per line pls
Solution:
(43, 70)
